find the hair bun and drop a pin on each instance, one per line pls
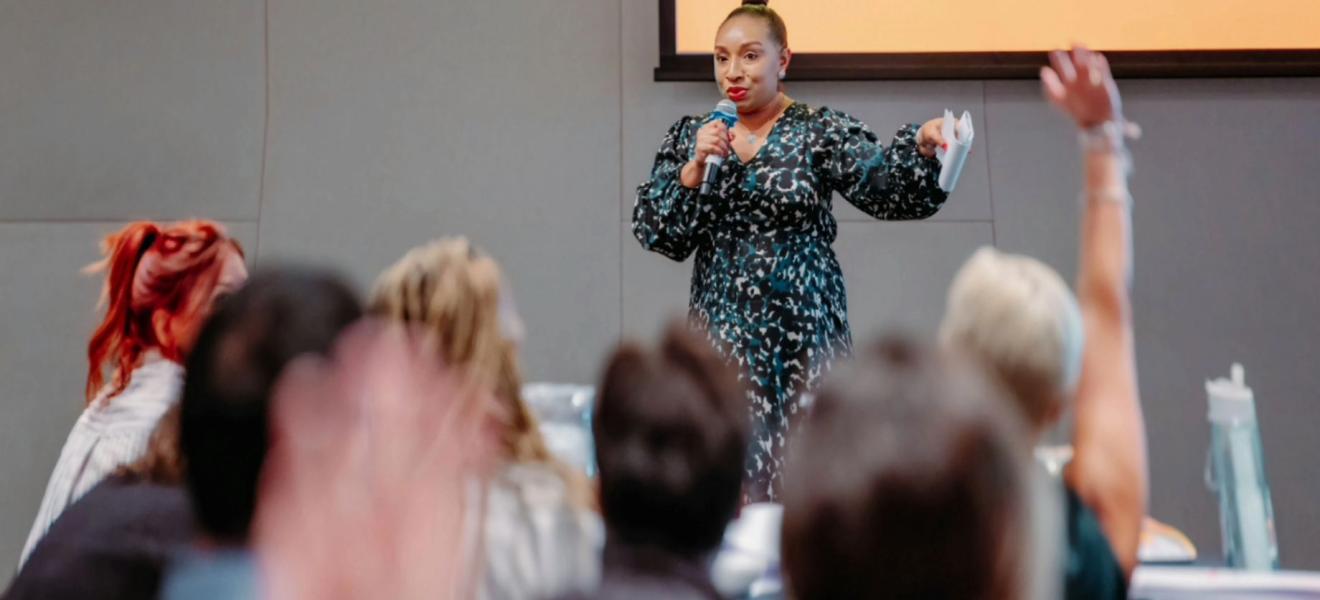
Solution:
(756, 2)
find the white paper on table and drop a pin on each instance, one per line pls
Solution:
(957, 145)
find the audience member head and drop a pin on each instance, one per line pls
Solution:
(240, 353)
(671, 429)
(456, 292)
(161, 281)
(1018, 316)
(906, 481)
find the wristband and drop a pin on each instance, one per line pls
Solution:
(1119, 196)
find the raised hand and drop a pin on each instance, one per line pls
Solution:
(1079, 84)
(364, 487)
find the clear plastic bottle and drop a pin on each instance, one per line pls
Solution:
(564, 411)
(1236, 470)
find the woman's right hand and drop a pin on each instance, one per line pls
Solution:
(713, 139)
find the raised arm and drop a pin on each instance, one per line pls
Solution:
(1109, 470)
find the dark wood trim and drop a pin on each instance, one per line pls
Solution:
(1013, 65)
(668, 30)
(993, 65)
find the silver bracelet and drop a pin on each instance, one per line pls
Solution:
(1109, 136)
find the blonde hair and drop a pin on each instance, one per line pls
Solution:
(456, 293)
(1016, 314)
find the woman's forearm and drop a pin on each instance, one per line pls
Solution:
(691, 174)
(1105, 271)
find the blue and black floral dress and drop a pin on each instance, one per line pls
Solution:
(765, 283)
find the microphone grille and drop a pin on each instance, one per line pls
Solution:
(727, 107)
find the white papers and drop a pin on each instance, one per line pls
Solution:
(957, 144)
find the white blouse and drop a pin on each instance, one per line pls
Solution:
(537, 543)
(109, 433)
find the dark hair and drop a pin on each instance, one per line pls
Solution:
(671, 433)
(761, 9)
(907, 481)
(278, 316)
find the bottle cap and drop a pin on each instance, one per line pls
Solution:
(1230, 399)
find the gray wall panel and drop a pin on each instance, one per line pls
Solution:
(121, 110)
(655, 288)
(898, 273)
(401, 121)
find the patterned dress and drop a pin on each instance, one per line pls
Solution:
(766, 286)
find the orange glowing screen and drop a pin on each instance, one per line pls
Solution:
(897, 26)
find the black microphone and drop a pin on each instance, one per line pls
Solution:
(725, 111)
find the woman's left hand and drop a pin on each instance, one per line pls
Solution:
(930, 137)
(1080, 84)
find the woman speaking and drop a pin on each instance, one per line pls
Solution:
(765, 283)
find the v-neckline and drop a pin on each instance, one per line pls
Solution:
(769, 135)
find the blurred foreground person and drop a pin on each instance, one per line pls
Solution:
(671, 431)
(908, 480)
(115, 541)
(253, 335)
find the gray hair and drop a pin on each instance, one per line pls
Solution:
(1017, 315)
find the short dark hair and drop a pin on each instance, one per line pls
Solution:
(671, 431)
(277, 316)
(907, 481)
(761, 10)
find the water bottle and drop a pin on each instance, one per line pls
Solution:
(1236, 470)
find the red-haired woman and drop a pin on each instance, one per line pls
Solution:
(161, 281)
